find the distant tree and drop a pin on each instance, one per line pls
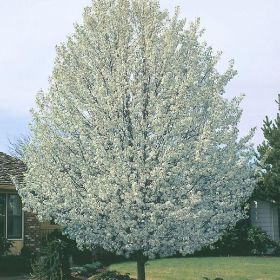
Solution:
(18, 145)
(134, 148)
(269, 160)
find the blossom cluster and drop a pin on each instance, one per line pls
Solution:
(134, 148)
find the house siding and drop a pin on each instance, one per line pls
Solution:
(265, 215)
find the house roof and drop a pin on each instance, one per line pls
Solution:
(10, 167)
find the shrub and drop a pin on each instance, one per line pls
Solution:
(55, 235)
(87, 269)
(243, 240)
(14, 265)
(110, 275)
(276, 251)
(53, 264)
(79, 257)
(107, 258)
(84, 256)
(28, 253)
(79, 270)
(259, 241)
(5, 246)
(93, 267)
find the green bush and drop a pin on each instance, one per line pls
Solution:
(243, 240)
(260, 242)
(276, 251)
(53, 264)
(14, 265)
(93, 267)
(79, 257)
(5, 246)
(79, 270)
(55, 235)
(28, 253)
(110, 275)
(107, 258)
(87, 269)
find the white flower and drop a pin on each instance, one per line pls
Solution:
(134, 147)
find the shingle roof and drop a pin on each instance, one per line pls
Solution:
(9, 167)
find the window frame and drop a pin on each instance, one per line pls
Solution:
(6, 218)
(3, 231)
(279, 223)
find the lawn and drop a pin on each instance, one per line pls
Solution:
(228, 268)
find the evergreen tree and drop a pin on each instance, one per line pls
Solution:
(269, 160)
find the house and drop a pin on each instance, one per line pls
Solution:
(266, 215)
(16, 225)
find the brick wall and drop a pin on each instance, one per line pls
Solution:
(31, 232)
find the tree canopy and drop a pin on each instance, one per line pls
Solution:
(269, 160)
(134, 147)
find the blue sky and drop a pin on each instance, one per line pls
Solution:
(244, 30)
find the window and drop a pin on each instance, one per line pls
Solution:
(2, 215)
(279, 221)
(10, 216)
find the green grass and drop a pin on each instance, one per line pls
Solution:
(228, 268)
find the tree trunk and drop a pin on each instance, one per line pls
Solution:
(141, 260)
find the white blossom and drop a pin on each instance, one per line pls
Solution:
(134, 148)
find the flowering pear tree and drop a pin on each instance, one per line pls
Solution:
(133, 146)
